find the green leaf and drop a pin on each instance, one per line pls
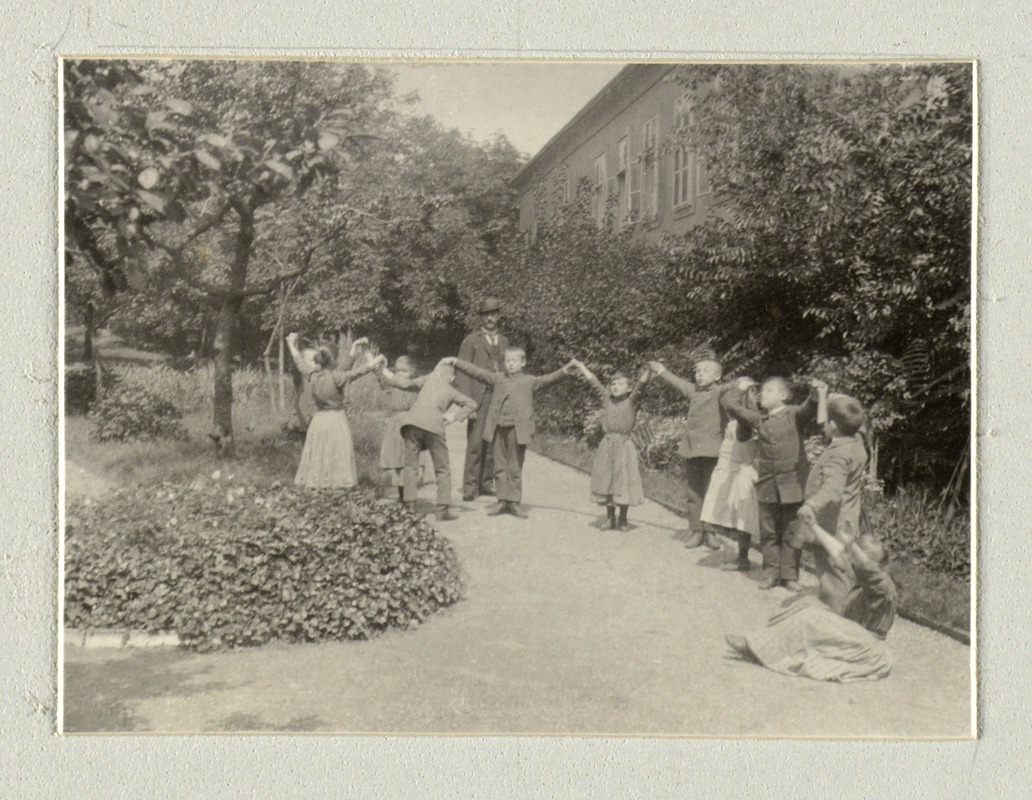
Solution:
(154, 200)
(208, 159)
(279, 168)
(327, 141)
(148, 179)
(181, 107)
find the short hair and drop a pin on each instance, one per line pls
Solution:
(873, 548)
(618, 375)
(516, 349)
(847, 413)
(404, 361)
(323, 356)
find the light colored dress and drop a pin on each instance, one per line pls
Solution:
(615, 475)
(328, 458)
(730, 500)
(812, 639)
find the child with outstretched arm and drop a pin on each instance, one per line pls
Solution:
(509, 424)
(615, 476)
(703, 434)
(438, 404)
(730, 503)
(781, 469)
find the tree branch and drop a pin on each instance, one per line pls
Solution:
(175, 254)
(273, 283)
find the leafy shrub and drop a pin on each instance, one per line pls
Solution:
(227, 565)
(80, 388)
(921, 530)
(130, 412)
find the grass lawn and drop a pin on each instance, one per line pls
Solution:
(265, 452)
(925, 596)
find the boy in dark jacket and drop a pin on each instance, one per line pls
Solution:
(509, 424)
(781, 467)
(703, 435)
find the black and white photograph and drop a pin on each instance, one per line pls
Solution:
(566, 397)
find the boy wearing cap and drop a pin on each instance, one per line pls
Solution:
(703, 435)
(485, 349)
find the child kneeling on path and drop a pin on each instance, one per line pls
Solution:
(615, 476)
(700, 445)
(509, 424)
(781, 467)
(422, 428)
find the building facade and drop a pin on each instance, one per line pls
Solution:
(618, 144)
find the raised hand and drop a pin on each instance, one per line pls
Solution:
(819, 385)
(745, 383)
(358, 345)
(657, 367)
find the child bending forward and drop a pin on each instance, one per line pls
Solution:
(615, 476)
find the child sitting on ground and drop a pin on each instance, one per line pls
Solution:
(781, 469)
(840, 641)
(509, 425)
(615, 477)
(730, 501)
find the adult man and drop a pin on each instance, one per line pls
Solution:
(484, 348)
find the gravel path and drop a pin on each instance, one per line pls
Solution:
(565, 629)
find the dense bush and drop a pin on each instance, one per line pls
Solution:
(129, 412)
(919, 529)
(227, 565)
(80, 388)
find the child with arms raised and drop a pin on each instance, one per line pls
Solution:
(781, 469)
(402, 389)
(615, 477)
(700, 444)
(509, 424)
(730, 502)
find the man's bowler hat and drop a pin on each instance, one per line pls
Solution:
(489, 304)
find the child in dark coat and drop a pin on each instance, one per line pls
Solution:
(781, 469)
(509, 423)
(703, 435)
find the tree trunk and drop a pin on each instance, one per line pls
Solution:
(225, 335)
(89, 320)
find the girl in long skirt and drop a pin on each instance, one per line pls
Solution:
(730, 502)
(328, 458)
(615, 476)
